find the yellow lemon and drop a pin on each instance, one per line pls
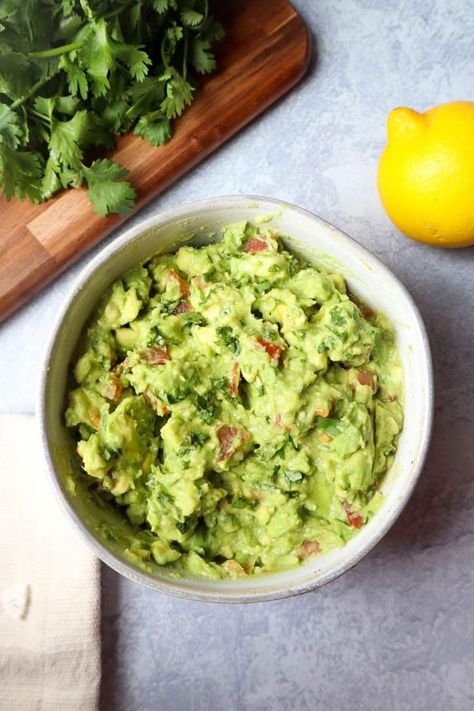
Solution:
(426, 173)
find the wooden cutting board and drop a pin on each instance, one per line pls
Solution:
(265, 52)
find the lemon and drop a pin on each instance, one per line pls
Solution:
(426, 173)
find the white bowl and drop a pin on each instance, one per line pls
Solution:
(317, 240)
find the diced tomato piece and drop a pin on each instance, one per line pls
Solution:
(227, 436)
(156, 356)
(392, 398)
(183, 285)
(365, 310)
(273, 350)
(365, 378)
(230, 438)
(183, 307)
(356, 520)
(234, 380)
(255, 245)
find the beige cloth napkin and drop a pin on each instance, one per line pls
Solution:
(49, 587)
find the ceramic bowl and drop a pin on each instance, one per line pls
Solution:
(316, 240)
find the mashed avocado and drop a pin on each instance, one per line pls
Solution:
(237, 405)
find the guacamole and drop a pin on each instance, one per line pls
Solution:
(237, 405)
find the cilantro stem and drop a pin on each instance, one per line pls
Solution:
(55, 51)
(114, 13)
(185, 54)
(163, 56)
(32, 92)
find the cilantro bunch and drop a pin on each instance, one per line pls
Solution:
(75, 73)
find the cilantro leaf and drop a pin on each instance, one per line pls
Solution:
(227, 336)
(97, 53)
(161, 6)
(171, 39)
(68, 138)
(16, 73)
(136, 59)
(154, 127)
(19, 173)
(106, 192)
(201, 56)
(76, 77)
(191, 18)
(178, 94)
(10, 131)
(50, 182)
(146, 96)
(213, 30)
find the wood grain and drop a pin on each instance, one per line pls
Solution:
(264, 54)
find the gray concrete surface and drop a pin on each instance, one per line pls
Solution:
(397, 632)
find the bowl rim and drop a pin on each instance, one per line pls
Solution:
(170, 586)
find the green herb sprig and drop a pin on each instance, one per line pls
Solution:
(75, 73)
